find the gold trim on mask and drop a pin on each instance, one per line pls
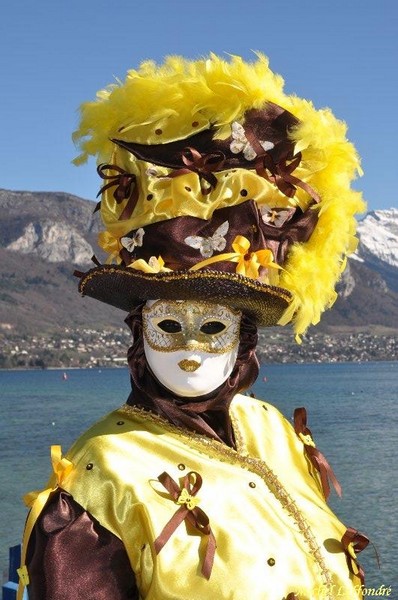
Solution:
(190, 320)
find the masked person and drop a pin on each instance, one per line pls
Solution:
(227, 206)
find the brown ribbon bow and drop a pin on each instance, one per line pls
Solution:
(280, 174)
(203, 165)
(126, 187)
(189, 511)
(315, 456)
(354, 542)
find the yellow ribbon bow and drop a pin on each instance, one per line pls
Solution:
(61, 469)
(36, 501)
(249, 263)
(111, 245)
(154, 265)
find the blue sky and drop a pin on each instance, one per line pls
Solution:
(56, 54)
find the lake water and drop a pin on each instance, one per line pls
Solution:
(352, 412)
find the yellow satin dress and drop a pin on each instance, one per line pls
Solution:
(274, 533)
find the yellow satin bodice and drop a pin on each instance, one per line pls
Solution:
(275, 535)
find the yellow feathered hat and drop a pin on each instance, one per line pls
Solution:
(218, 185)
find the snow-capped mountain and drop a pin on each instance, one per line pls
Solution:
(378, 245)
(368, 290)
(378, 233)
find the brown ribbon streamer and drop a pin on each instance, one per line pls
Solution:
(192, 483)
(203, 165)
(359, 542)
(126, 187)
(280, 174)
(315, 456)
(96, 261)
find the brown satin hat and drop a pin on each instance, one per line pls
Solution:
(183, 243)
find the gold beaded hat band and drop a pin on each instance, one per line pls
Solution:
(218, 186)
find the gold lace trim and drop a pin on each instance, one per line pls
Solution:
(255, 465)
(181, 275)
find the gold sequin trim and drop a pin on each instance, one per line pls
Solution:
(180, 276)
(216, 450)
(190, 317)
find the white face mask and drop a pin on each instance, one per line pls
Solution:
(191, 347)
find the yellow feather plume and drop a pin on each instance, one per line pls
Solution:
(159, 103)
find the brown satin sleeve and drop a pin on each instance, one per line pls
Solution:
(72, 557)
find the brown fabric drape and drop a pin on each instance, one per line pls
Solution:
(71, 556)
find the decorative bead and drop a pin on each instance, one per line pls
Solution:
(89, 466)
(149, 197)
(120, 423)
(181, 466)
(158, 131)
(195, 123)
(252, 484)
(271, 562)
(243, 193)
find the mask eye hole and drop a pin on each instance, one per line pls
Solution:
(170, 326)
(212, 327)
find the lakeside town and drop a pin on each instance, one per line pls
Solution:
(89, 348)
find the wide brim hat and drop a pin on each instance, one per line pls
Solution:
(217, 186)
(126, 288)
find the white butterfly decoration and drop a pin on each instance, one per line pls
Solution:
(209, 245)
(133, 242)
(240, 143)
(275, 216)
